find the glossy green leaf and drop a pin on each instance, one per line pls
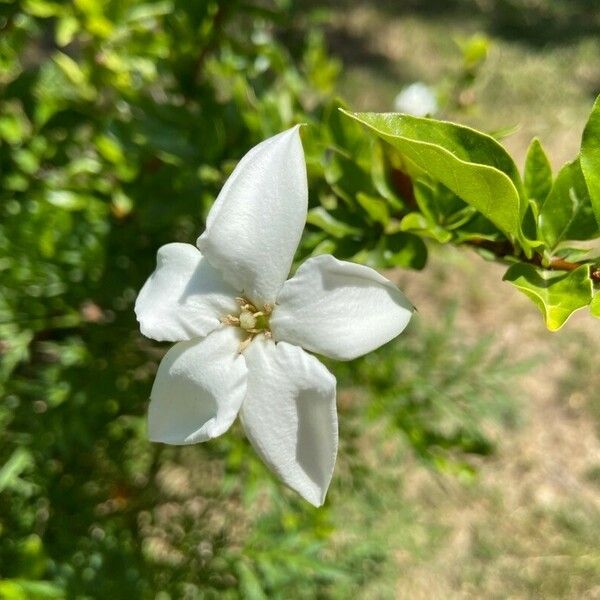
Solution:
(590, 157)
(567, 212)
(538, 173)
(558, 294)
(471, 164)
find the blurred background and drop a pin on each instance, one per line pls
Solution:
(469, 464)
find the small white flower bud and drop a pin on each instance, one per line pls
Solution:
(417, 99)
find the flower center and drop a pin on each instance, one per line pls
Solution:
(251, 320)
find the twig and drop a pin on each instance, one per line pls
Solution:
(502, 249)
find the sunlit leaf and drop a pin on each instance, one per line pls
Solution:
(376, 208)
(419, 223)
(557, 294)
(595, 305)
(471, 164)
(567, 212)
(319, 217)
(590, 157)
(538, 173)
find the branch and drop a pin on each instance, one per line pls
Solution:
(502, 249)
(505, 249)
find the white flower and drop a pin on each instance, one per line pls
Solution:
(417, 99)
(241, 327)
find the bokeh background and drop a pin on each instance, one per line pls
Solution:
(469, 464)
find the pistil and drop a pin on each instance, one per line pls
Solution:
(250, 320)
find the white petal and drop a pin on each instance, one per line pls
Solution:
(339, 309)
(198, 390)
(184, 298)
(255, 225)
(289, 416)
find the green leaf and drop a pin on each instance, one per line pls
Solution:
(19, 461)
(75, 75)
(23, 589)
(419, 223)
(590, 157)
(557, 294)
(14, 127)
(471, 164)
(595, 306)
(319, 217)
(538, 173)
(440, 205)
(43, 9)
(567, 212)
(376, 208)
(404, 250)
(249, 582)
(66, 199)
(66, 29)
(346, 177)
(149, 11)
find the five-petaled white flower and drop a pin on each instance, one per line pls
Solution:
(243, 330)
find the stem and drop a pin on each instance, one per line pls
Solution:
(505, 249)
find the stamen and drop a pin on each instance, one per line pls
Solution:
(230, 320)
(245, 305)
(254, 322)
(245, 343)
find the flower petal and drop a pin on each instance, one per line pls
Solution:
(198, 390)
(184, 298)
(289, 416)
(339, 309)
(256, 222)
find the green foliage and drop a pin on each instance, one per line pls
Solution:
(595, 306)
(557, 294)
(472, 165)
(457, 185)
(537, 177)
(118, 125)
(566, 214)
(590, 158)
